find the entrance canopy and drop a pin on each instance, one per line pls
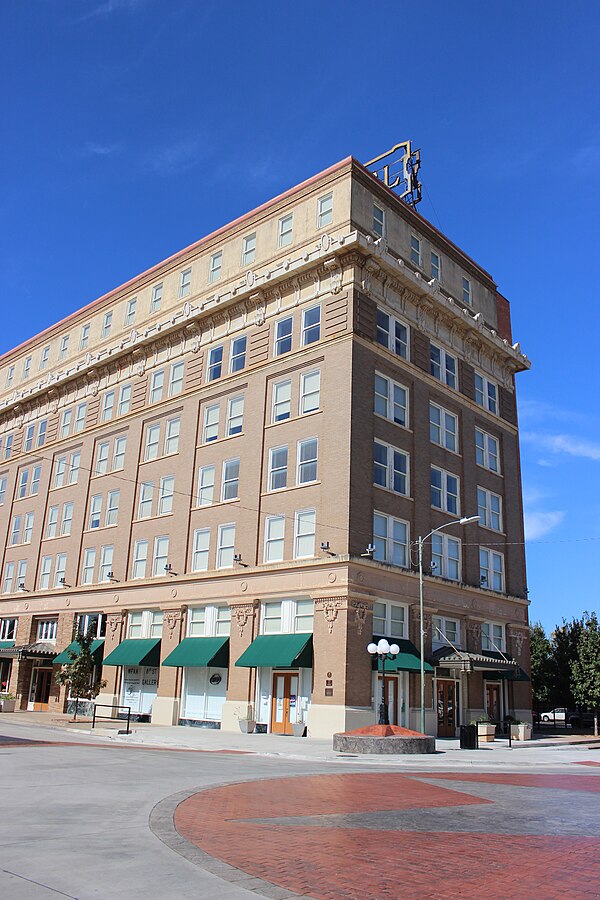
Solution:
(200, 651)
(278, 651)
(96, 649)
(40, 650)
(6, 645)
(463, 661)
(135, 652)
(408, 660)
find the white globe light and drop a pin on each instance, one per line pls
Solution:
(383, 646)
(395, 649)
(372, 648)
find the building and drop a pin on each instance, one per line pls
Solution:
(224, 464)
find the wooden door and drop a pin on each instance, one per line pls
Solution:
(447, 708)
(284, 704)
(39, 693)
(391, 696)
(492, 702)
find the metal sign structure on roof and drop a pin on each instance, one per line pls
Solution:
(398, 169)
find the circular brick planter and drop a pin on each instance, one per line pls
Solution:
(388, 739)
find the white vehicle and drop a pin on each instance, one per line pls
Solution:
(557, 715)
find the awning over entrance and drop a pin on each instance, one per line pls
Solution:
(40, 650)
(135, 652)
(408, 660)
(463, 661)
(200, 651)
(278, 651)
(96, 649)
(517, 674)
(5, 645)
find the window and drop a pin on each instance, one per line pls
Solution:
(325, 210)
(89, 565)
(118, 460)
(272, 619)
(415, 250)
(215, 364)
(67, 519)
(185, 281)
(491, 569)
(284, 231)
(124, 400)
(225, 547)
(112, 507)
(10, 374)
(307, 460)
(378, 220)
(206, 485)
(274, 538)
(45, 569)
(65, 424)
(443, 427)
(108, 406)
(304, 617)
(15, 532)
(282, 393)
(101, 467)
(390, 538)
(486, 451)
(161, 555)
(135, 624)
(52, 522)
(304, 533)
(44, 358)
(107, 324)
(27, 368)
(249, 249)
(486, 393)
(492, 636)
(22, 489)
(8, 629)
(445, 491)
(392, 334)
(106, 563)
(80, 413)
(21, 574)
(145, 500)
(445, 632)
(8, 446)
(156, 298)
(60, 569)
(28, 442)
(176, 379)
(92, 622)
(95, 511)
(235, 416)
(211, 424)
(200, 550)
(156, 624)
(390, 468)
(389, 619)
(283, 336)
(46, 629)
(172, 431)
(59, 471)
(41, 438)
(214, 269)
(231, 479)
(140, 558)
(278, 462)
(223, 621)
(130, 312)
(436, 265)
(445, 556)
(3, 482)
(28, 527)
(9, 577)
(467, 293)
(237, 355)
(165, 496)
(152, 442)
(74, 467)
(311, 325)
(63, 347)
(489, 507)
(145, 623)
(391, 400)
(310, 392)
(84, 337)
(443, 366)
(157, 383)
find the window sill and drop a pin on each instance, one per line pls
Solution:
(291, 487)
(220, 440)
(216, 504)
(144, 462)
(491, 471)
(392, 422)
(393, 493)
(313, 412)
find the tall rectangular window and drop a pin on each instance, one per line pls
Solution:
(63, 347)
(486, 451)
(106, 563)
(200, 551)
(35, 480)
(249, 249)
(467, 292)
(489, 508)
(10, 374)
(378, 220)
(282, 393)
(325, 210)
(307, 460)
(161, 555)
(152, 442)
(22, 489)
(210, 431)
(492, 636)
(415, 250)
(67, 519)
(391, 400)
(88, 567)
(15, 531)
(130, 310)
(278, 463)
(283, 336)
(107, 324)
(225, 546)
(311, 325)
(284, 231)
(101, 466)
(84, 336)
(80, 413)
(235, 416)
(166, 494)
(74, 464)
(45, 570)
(392, 334)
(108, 406)
(28, 527)
(156, 298)
(65, 423)
(8, 446)
(237, 354)
(3, 483)
(310, 392)
(274, 538)
(443, 427)
(231, 479)
(112, 507)
(206, 485)
(445, 491)
(28, 442)
(118, 460)
(436, 265)
(491, 569)
(124, 400)
(52, 522)
(43, 428)
(60, 468)
(172, 431)
(95, 511)
(445, 556)
(60, 569)
(486, 393)
(272, 617)
(304, 533)
(215, 266)
(443, 366)
(157, 383)
(145, 500)
(185, 283)
(140, 559)
(215, 363)
(176, 379)
(9, 578)
(390, 468)
(44, 358)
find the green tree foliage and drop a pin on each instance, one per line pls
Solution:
(542, 668)
(565, 641)
(78, 675)
(585, 667)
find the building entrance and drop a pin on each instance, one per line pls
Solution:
(492, 702)
(39, 689)
(391, 696)
(284, 707)
(447, 708)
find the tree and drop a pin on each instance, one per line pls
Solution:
(78, 675)
(565, 641)
(542, 668)
(586, 667)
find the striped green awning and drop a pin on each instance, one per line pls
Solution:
(135, 652)
(96, 649)
(278, 651)
(408, 660)
(200, 651)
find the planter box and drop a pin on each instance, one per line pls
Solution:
(247, 726)
(520, 732)
(298, 729)
(7, 705)
(485, 733)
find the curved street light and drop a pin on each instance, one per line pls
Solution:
(383, 650)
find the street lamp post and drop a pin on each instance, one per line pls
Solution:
(466, 520)
(383, 650)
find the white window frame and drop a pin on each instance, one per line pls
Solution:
(235, 416)
(106, 563)
(285, 230)
(325, 210)
(106, 324)
(486, 393)
(112, 508)
(80, 414)
(206, 485)
(436, 265)
(211, 422)
(378, 221)
(215, 267)
(390, 628)
(390, 547)
(66, 521)
(60, 568)
(281, 407)
(390, 468)
(185, 283)
(46, 630)
(304, 519)
(488, 514)
(201, 550)
(237, 354)
(445, 494)
(108, 406)
(156, 298)
(63, 347)
(490, 636)
(43, 427)
(249, 249)
(396, 332)
(274, 472)
(140, 559)
(172, 434)
(303, 464)
(176, 376)
(311, 333)
(52, 522)
(442, 640)
(445, 369)
(95, 514)
(448, 439)
(145, 500)
(230, 480)
(45, 358)
(467, 291)
(160, 555)
(440, 546)
(307, 403)
(157, 386)
(214, 366)
(124, 404)
(152, 443)
(491, 570)
(274, 543)
(487, 450)
(226, 545)
(118, 457)
(281, 340)
(130, 311)
(416, 251)
(84, 336)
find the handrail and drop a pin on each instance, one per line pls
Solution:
(110, 706)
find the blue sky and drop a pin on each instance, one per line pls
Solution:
(133, 127)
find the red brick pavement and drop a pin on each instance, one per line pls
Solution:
(338, 862)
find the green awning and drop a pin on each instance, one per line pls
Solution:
(96, 649)
(5, 645)
(200, 651)
(135, 652)
(519, 675)
(278, 651)
(408, 660)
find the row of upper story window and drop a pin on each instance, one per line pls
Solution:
(391, 540)
(108, 321)
(390, 620)
(393, 334)
(432, 265)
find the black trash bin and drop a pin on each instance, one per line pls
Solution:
(468, 737)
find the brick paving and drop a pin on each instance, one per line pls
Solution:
(354, 835)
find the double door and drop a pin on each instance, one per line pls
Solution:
(285, 708)
(39, 689)
(493, 702)
(447, 707)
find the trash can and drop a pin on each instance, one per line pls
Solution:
(468, 737)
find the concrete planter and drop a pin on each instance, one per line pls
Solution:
(247, 726)
(520, 732)
(298, 729)
(7, 705)
(486, 733)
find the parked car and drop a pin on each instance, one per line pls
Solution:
(555, 715)
(581, 720)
